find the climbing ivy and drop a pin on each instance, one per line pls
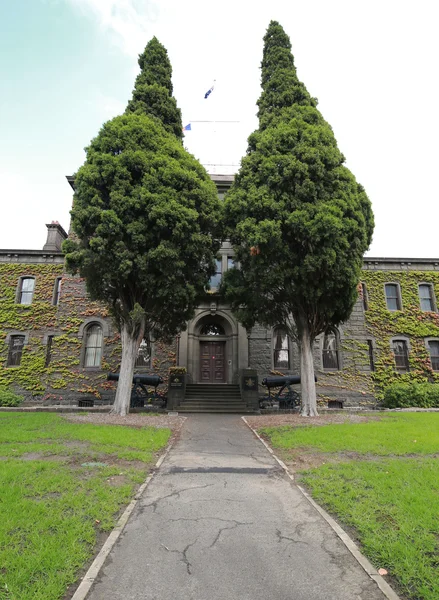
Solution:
(411, 322)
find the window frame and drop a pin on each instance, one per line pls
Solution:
(86, 336)
(220, 272)
(336, 334)
(286, 349)
(398, 296)
(401, 368)
(371, 354)
(365, 296)
(57, 291)
(12, 337)
(147, 366)
(432, 296)
(427, 345)
(20, 292)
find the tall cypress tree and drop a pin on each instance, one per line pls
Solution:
(146, 217)
(152, 94)
(298, 220)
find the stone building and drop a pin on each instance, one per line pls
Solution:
(56, 346)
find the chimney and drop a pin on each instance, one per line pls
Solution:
(55, 237)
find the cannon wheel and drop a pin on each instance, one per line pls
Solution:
(288, 398)
(139, 395)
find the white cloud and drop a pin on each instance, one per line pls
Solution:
(128, 21)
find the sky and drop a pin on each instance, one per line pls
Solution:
(67, 66)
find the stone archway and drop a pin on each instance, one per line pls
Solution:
(211, 348)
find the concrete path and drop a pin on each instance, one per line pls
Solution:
(221, 520)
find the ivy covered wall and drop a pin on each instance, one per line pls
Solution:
(410, 322)
(62, 379)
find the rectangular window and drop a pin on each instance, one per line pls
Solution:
(433, 347)
(230, 262)
(364, 296)
(330, 353)
(215, 280)
(400, 350)
(57, 291)
(392, 297)
(281, 350)
(371, 355)
(426, 297)
(27, 286)
(49, 350)
(15, 350)
(143, 354)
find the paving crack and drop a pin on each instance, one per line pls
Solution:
(281, 537)
(176, 494)
(218, 535)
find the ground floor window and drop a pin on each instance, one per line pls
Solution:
(16, 345)
(281, 351)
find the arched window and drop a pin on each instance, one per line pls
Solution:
(212, 329)
(93, 345)
(330, 351)
(26, 290)
(281, 349)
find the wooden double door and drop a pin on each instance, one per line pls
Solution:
(213, 362)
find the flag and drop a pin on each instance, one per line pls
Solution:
(207, 94)
(188, 127)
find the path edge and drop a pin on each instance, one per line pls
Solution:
(91, 575)
(386, 589)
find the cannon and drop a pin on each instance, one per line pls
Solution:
(286, 396)
(139, 391)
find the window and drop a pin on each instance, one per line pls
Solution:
(16, 344)
(215, 280)
(144, 354)
(281, 350)
(433, 348)
(26, 291)
(426, 297)
(212, 329)
(400, 351)
(364, 296)
(93, 346)
(57, 291)
(392, 296)
(371, 355)
(330, 352)
(230, 262)
(49, 350)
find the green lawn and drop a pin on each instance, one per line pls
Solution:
(389, 493)
(55, 500)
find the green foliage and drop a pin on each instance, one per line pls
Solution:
(405, 395)
(411, 321)
(55, 509)
(41, 314)
(152, 93)
(8, 398)
(146, 213)
(298, 220)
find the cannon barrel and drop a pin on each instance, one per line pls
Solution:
(152, 380)
(278, 381)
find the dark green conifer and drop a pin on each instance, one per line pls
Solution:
(152, 94)
(297, 218)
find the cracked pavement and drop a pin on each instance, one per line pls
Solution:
(220, 520)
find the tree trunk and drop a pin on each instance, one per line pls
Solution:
(130, 346)
(308, 384)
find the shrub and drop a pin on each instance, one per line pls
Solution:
(406, 395)
(9, 399)
(177, 370)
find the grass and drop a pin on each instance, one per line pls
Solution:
(389, 494)
(53, 504)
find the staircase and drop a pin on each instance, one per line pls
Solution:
(213, 398)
